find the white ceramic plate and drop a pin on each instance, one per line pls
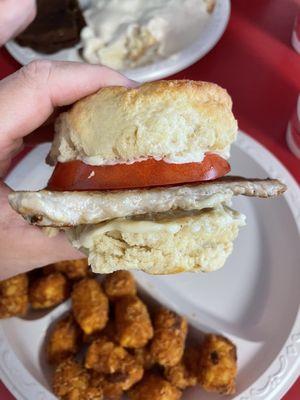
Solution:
(208, 38)
(254, 299)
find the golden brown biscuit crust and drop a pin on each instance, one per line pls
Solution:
(163, 119)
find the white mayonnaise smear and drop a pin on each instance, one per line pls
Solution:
(129, 33)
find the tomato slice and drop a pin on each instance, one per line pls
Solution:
(75, 175)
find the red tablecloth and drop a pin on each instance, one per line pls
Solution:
(255, 62)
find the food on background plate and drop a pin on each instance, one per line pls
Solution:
(14, 296)
(166, 205)
(57, 26)
(120, 34)
(124, 34)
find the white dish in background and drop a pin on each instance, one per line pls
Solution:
(253, 300)
(210, 35)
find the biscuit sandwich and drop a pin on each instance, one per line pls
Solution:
(139, 179)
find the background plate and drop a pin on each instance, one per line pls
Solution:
(210, 35)
(254, 299)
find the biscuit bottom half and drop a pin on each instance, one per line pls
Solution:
(160, 243)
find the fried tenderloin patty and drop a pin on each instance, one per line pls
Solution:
(50, 208)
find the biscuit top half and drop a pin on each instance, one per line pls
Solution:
(176, 121)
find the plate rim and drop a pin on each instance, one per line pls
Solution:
(280, 374)
(162, 68)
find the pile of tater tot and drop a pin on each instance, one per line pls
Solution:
(111, 342)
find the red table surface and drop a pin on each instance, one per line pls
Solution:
(255, 62)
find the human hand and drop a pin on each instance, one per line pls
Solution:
(27, 99)
(15, 16)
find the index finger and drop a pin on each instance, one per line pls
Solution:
(29, 96)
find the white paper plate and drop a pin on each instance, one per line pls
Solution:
(254, 299)
(208, 38)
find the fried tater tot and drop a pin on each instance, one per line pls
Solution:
(218, 365)
(48, 291)
(128, 373)
(14, 286)
(111, 390)
(13, 306)
(90, 306)
(133, 324)
(144, 357)
(119, 284)
(14, 296)
(184, 374)
(108, 331)
(64, 340)
(93, 393)
(104, 356)
(168, 342)
(153, 387)
(73, 269)
(70, 380)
